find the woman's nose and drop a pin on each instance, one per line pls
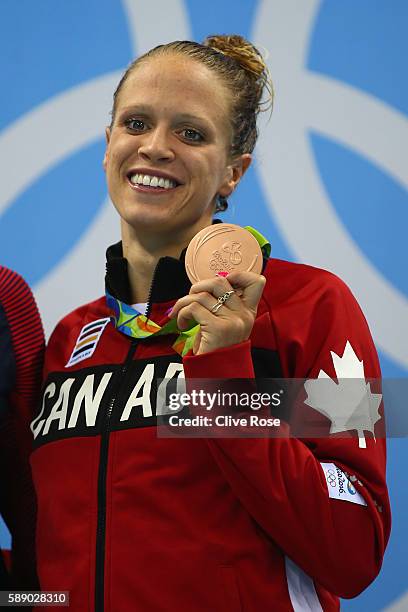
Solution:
(156, 145)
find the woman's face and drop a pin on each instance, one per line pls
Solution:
(167, 154)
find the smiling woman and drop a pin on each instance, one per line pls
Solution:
(130, 521)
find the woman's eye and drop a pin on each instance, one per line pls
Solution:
(136, 125)
(190, 134)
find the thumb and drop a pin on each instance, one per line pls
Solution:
(250, 285)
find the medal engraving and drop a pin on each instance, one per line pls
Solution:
(221, 249)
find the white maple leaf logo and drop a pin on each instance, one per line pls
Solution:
(349, 404)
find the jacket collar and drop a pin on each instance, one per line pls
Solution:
(170, 280)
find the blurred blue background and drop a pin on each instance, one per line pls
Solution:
(58, 61)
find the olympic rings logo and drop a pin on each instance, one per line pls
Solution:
(331, 477)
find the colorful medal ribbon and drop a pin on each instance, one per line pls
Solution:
(133, 323)
(261, 240)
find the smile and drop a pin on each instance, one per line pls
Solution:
(151, 181)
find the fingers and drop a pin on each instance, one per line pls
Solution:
(206, 293)
(232, 321)
(194, 311)
(238, 310)
(217, 287)
(205, 299)
(250, 284)
(248, 288)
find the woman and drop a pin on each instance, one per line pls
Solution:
(128, 521)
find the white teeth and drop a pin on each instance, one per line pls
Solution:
(152, 181)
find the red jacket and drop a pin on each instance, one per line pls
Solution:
(21, 358)
(129, 521)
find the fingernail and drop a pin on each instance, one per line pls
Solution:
(222, 274)
(168, 311)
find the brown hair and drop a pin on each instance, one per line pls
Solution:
(243, 71)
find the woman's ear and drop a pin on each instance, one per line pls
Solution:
(235, 171)
(107, 138)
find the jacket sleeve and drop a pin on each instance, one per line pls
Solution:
(20, 366)
(285, 482)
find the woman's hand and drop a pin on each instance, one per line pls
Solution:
(232, 322)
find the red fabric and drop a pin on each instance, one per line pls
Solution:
(206, 524)
(23, 323)
(7, 558)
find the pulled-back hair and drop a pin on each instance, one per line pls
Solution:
(241, 68)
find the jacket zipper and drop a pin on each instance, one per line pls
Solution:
(103, 465)
(149, 299)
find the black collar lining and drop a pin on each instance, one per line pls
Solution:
(170, 280)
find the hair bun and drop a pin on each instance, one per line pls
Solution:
(247, 55)
(240, 49)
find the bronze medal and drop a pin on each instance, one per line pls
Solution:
(221, 249)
